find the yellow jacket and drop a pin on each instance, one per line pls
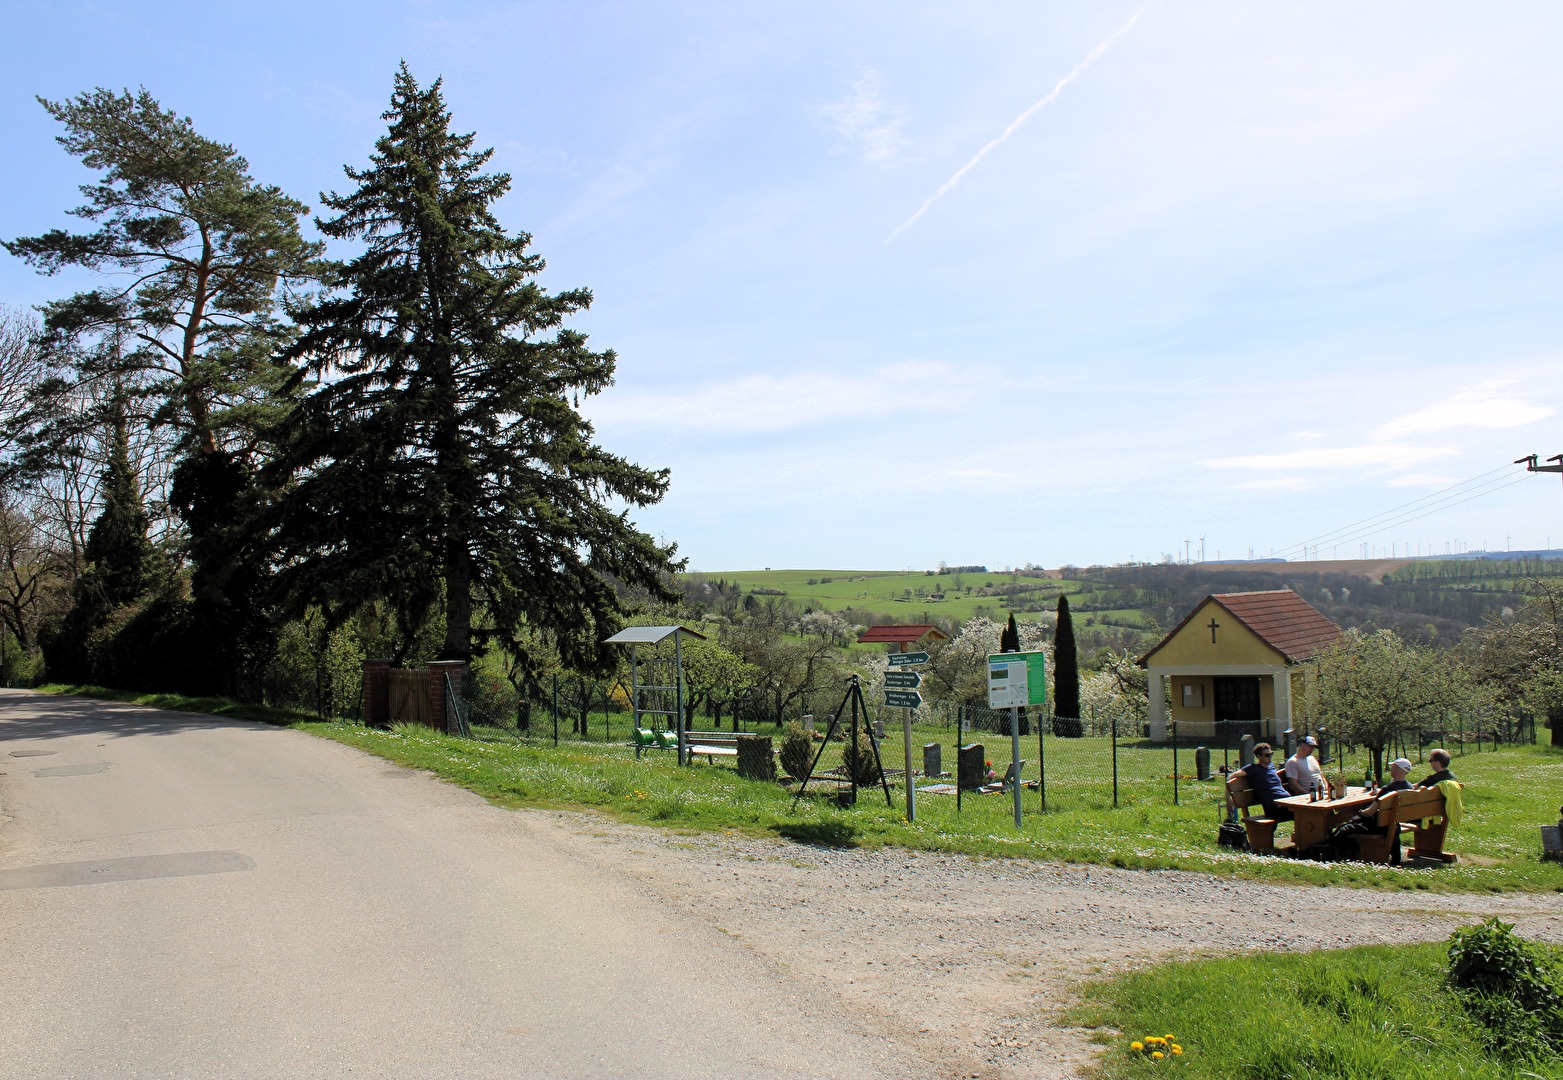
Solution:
(1454, 804)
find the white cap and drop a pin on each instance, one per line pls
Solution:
(1403, 764)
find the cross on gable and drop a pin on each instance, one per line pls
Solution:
(1214, 626)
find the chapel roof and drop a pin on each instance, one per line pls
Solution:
(1278, 617)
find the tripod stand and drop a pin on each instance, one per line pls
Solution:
(853, 696)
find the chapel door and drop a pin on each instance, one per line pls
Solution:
(1237, 698)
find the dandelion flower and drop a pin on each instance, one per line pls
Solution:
(1157, 1055)
(1136, 1045)
(1176, 1049)
(1168, 1037)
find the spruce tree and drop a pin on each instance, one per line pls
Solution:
(1066, 668)
(438, 462)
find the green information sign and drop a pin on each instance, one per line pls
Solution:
(903, 699)
(1016, 680)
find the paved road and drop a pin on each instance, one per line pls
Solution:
(184, 896)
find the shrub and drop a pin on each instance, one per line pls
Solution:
(859, 759)
(1510, 987)
(797, 751)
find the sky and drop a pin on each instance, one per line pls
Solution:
(896, 283)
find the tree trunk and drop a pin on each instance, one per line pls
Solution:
(1555, 722)
(458, 602)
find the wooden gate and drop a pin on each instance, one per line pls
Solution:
(410, 697)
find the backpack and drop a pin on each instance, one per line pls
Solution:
(1232, 835)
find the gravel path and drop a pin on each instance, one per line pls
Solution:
(969, 959)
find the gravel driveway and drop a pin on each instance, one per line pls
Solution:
(968, 959)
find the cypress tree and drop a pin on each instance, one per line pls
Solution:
(1066, 670)
(1009, 637)
(438, 462)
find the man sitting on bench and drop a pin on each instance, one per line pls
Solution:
(1365, 821)
(1266, 783)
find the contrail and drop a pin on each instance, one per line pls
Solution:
(1090, 58)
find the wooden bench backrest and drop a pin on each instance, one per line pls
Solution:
(1413, 805)
(1240, 791)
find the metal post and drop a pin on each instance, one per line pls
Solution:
(911, 788)
(852, 773)
(1115, 763)
(1462, 732)
(1014, 745)
(635, 688)
(1041, 763)
(678, 694)
(1174, 726)
(556, 710)
(960, 733)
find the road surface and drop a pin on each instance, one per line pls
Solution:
(182, 896)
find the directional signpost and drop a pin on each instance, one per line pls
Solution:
(1016, 680)
(901, 693)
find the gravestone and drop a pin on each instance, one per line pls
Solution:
(879, 729)
(755, 759)
(1245, 751)
(1202, 762)
(808, 722)
(1290, 743)
(933, 759)
(972, 766)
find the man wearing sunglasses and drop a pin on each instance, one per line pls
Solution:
(1266, 783)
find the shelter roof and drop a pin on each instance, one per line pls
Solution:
(649, 635)
(1278, 617)
(897, 635)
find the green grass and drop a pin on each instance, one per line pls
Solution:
(1509, 793)
(886, 591)
(1371, 1013)
(210, 706)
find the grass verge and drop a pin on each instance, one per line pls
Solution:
(1509, 793)
(210, 706)
(1370, 1013)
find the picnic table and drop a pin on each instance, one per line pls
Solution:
(1312, 821)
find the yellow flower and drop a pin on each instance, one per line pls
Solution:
(1176, 1049)
(1157, 1055)
(1168, 1037)
(1136, 1045)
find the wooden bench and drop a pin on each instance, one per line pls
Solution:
(712, 743)
(1261, 830)
(1404, 812)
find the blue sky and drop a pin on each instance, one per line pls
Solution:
(1255, 273)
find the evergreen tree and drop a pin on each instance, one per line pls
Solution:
(193, 255)
(1009, 637)
(119, 564)
(438, 462)
(1066, 671)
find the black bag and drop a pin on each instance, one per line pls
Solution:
(1232, 835)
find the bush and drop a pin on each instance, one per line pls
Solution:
(860, 760)
(1510, 987)
(797, 751)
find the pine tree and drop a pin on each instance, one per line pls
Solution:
(192, 255)
(1009, 637)
(439, 463)
(1066, 668)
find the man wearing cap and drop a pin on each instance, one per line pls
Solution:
(1365, 821)
(1302, 773)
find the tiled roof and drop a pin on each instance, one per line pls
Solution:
(899, 634)
(1279, 617)
(1288, 623)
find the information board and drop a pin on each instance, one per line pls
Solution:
(1016, 680)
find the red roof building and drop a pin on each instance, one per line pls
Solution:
(1237, 662)
(904, 636)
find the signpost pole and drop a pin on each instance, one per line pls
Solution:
(911, 788)
(1014, 745)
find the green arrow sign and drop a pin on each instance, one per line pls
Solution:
(903, 680)
(907, 659)
(903, 699)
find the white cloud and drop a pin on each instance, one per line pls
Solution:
(775, 403)
(1277, 483)
(868, 126)
(1473, 407)
(1380, 455)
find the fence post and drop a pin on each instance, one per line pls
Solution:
(1173, 727)
(556, 710)
(1115, 763)
(1042, 722)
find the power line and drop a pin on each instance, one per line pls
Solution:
(1484, 484)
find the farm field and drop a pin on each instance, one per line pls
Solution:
(915, 596)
